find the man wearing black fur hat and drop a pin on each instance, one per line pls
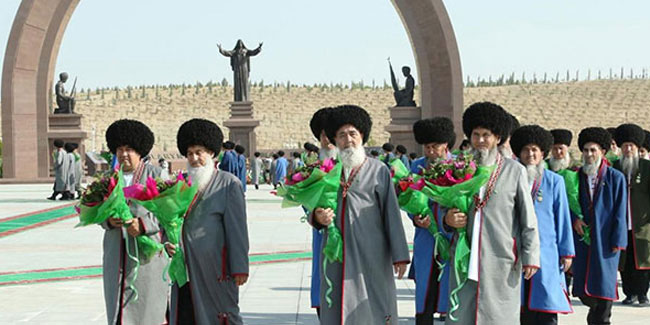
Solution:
(501, 227)
(214, 236)
(130, 141)
(369, 219)
(560, 158)
(388, 155)
(60, 170)
(229, 162)
(241, 165)
(545, 294)
(71, 178)
(437, 137)
(504, 147)
(635, 260)
(603, 198)
(644, 150)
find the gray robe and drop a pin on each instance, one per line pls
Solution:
(151, 305)
(79, 171)
(370, 222)
(215, 242)
(61, 170)
(71, 178)
(508, 239)
(256, 170)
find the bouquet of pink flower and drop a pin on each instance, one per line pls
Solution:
(317, 186)
(168, 201)
(453, 183)
(411, 199)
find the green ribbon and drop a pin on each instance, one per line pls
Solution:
(572, 184)
(461, 197)
(169, 208)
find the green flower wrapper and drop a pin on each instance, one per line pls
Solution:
(572, 183)
(461, 197)
(169, 208)
(319, 190)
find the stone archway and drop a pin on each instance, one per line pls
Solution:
(36, 35)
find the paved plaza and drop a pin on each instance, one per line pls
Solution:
(50, 272)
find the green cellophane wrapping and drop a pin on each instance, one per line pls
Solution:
(399, 170)
(169, 208)
(417, 203)
(115, 206)
(461, 197)
(572, 184)
(319, 190)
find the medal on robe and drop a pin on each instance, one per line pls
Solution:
(638, 178)
(539, 195)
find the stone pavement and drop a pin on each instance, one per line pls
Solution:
(60, 266)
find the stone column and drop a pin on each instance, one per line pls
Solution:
(400, 128)
(242, 126)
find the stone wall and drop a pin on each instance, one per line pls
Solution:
(284, 113)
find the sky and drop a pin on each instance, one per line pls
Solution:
(127, 42)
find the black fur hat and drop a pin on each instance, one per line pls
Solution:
(199, 132)
(348, 114)
(646, 143)
(531, 134)
(240, 149)
(629, 133)
(597, 135)
(132, 133)
(486, 115)
(388, 147)
(318, 120)
(513, 124)
(69, 147)
(229, 145)
(435, 130)
(401, 149)
(58, 143)
(562, 136)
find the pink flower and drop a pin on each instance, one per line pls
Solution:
(135, 191)
(418, 185)
(112, 182)
(327, 165)
(297, 177)
(152, 188)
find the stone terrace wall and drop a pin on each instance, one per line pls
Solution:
(285, 113)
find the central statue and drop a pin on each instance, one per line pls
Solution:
(240, 63)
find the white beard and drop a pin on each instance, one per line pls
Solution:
(326, 153)
(559, 164)
(352, 157)
(591, 169)
(485, 157)
(505, 151)
(534, 172)
(201, 175)
(630, 165)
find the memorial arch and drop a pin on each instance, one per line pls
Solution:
(33, 47)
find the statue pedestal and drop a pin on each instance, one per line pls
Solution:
(242, 126)
(400, 128)
(66, 127)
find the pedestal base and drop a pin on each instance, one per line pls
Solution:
(66, 127)
(242, 126)
(400, 128)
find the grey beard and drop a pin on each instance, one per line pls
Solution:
(591, 169)
(559, 164)
(485, 157)
(505, 151)
(630, 165)
(352, 157)
(326, 153)
(534, 172)
(201, 175)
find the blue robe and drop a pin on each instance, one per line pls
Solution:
(405, 161)
(594, 268)
(241, 170)
(548, 291)
(423, 259)
(316, 239)
(229, 162)
(280, 170)
(386, 159)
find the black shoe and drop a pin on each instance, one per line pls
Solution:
(643, 301)
(630, 300)
(53, 198)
